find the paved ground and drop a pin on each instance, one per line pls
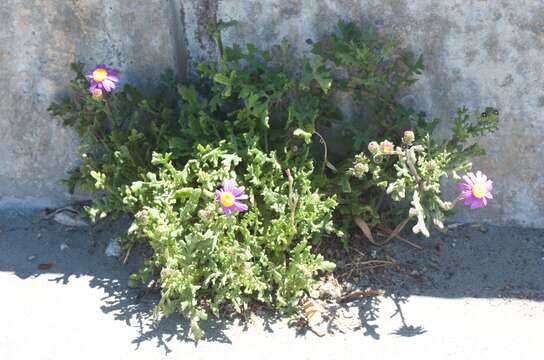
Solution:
(476, 294)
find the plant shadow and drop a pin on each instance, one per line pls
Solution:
(470, 261)
(32, 247)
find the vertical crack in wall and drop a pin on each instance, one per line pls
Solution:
(206, 12)
(198, 14)
(179, 38)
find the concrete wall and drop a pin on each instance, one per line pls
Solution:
(38, 41)
(478, 53)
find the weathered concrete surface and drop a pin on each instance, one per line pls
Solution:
(38, 41)
(478, 53)
(472, 307)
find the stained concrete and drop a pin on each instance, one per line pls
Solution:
(38, 41)
(478, 53)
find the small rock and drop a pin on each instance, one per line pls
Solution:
(341, 327)
(68, 217)
(113, 249)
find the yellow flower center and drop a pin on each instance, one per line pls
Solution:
(100, 75)
(227, 199)
(479, 191)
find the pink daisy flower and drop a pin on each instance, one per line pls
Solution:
(476, 190)
(230, 197)
(387, 147)
(103, 77)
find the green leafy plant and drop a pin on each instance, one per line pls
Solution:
(269, 119)
(404, 186)
(209, 261)
(118, 135)
(412, 173)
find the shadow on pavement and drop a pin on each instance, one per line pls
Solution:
(479, 262)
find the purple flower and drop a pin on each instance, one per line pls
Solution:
(476, 190)
(103, 77)
(230, 197)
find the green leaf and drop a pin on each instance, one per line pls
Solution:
(306, 136)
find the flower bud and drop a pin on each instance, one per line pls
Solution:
(142, 216)
(373, 147)
(408, 137)
(96, 93)
(378, 158)
(166, 272)
(204, 214)
(431, 165)
(360, 169)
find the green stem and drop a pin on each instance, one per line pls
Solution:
(292, 200)
(325, 151)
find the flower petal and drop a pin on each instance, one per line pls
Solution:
(238, 190)
(468, 180)
(227, 210)
(477, 203)
(217, 195)
(112, 78)
(240, 206)
(229, 185)
(489, 185)
(108, 85)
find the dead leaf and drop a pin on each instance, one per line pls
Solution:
(313, 312)
(45, 266)
(361, 293)
(364, 228)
